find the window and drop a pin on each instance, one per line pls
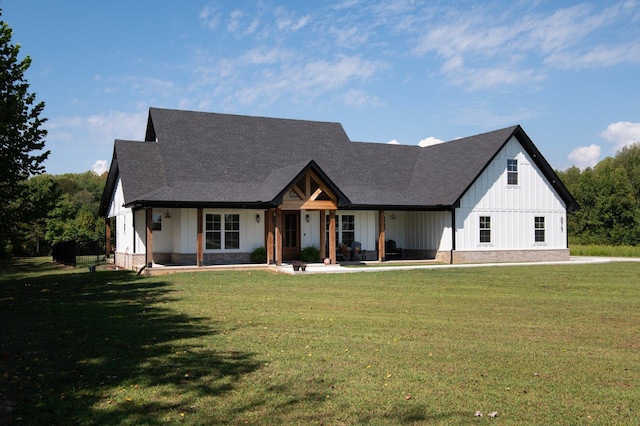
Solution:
(539, 229)
(485, 229)
(157, 222)
(345, 229)
(348, 227)
(213, 231)
(512, 172)
(216, 234)
(231, 231)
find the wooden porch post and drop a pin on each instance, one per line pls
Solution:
(149, 248)
(107, 237)
(199, 245)
(323, 235)
(332, 236)
(278, 237)
(270, 236)
(381, 237)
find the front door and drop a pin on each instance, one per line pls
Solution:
(291, 237)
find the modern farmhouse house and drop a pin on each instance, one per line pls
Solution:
(205, 188)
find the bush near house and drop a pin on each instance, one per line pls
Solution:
(310, 254)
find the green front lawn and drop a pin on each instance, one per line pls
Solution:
(538, 344)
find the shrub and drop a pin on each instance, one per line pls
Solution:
(259, 255)
(310, 254)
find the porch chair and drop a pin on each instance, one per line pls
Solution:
(390, 250)
(356, 251)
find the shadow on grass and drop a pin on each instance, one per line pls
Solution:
(73, 344)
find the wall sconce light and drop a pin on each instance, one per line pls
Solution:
(258, 217)
(307, 218)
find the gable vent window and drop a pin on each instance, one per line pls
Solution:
(485, 229)
(512, 172)
(539, 229)
(219, 233)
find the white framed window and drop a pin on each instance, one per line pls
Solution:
(222, 231)
(345, 229)
(157, 222)
(512, 171)
(485, 229)
(539, 229)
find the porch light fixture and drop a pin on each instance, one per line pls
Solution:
(167, 215)
(307, 218)
(258, 217)
(393, 215)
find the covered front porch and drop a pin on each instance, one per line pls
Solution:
(305, 214)
(182, 237)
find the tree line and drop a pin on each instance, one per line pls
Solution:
(57, 208)
(609, 198)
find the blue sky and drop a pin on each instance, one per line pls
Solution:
(404, 71)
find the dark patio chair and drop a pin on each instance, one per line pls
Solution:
(391, 251)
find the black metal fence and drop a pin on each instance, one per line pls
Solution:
(79, 254)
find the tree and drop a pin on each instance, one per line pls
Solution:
(21, 135)
(609, 199)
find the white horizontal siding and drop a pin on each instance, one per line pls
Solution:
(512, 208)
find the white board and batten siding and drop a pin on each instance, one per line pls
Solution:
(185, 230)
(419, 230)
(365, 227)
(512, 208)
(124, 221)
(428, 230)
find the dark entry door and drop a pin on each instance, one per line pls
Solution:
(291, 237)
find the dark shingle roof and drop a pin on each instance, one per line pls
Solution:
(197, 158)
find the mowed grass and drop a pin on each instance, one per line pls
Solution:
(537, 344)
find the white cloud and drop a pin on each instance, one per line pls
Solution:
(234, 23)
(288, 21)
(585, 156)
(272, 74)
(356, 97)
(99, 167)
(484, 48)
(209, 17)
(622, 133)
(99, 128)
(393, 142)
(429, 141)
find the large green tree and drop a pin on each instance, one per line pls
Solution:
(609, 198)
(21, 135)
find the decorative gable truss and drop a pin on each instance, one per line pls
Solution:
(312, 194)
